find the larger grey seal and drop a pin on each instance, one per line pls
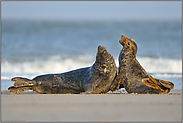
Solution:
(132, 75)
(95, 79)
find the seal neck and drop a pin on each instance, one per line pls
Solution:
(126, 55)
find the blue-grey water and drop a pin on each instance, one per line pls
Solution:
(30, 48)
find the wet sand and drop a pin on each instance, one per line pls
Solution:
(123, 107)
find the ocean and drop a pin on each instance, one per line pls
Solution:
(35, 47)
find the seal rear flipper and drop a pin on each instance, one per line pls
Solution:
(19, 81)
(166, 84)
(18, 90)
(21, 84)
(151, 82)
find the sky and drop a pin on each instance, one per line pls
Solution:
(91, 10)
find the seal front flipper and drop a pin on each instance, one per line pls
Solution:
(117, 83)
(164, 86)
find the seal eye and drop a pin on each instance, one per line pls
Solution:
(128, 43)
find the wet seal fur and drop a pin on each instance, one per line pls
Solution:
(132, 76)
(95, 79)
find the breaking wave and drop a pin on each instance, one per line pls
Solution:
(58, 64)
(46, 65)
(161, 65)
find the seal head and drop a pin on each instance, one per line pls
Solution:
(103, 71)
(103, 57)
(129, 47)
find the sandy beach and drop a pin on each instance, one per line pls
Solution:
(123, 107)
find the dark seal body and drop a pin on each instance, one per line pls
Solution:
(95, 79)
(132, 76)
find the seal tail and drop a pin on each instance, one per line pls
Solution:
(21, 84)
(164, 86)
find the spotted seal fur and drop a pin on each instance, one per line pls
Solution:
(95, 79)
(132, 76)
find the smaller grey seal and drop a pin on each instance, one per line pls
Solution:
(95, 79)
(132, 75)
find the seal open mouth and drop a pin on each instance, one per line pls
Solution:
(121, 42)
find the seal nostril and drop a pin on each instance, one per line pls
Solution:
(123, 36)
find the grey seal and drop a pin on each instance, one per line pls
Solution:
(95, 79)
(132, 76)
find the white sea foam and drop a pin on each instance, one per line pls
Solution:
(5, 78)
(167, 75)
(168, 69)
(50, 65)
(161, 65)
(57, 64)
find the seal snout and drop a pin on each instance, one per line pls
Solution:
(123, 35)
(121, 42)
(123, 39)
(101, 49)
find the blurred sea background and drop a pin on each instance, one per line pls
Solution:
(35, 47)
(31, 48)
